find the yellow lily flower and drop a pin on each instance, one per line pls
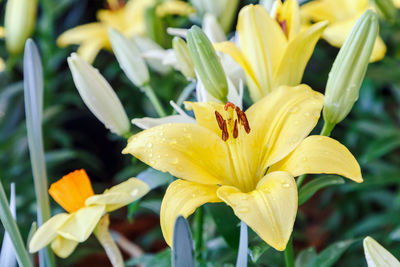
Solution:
(246, 159)
(74, 193)
(342, 15)
(273, 51)
(128, 20)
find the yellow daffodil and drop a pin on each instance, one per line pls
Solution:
(128, 19)
(273, 51)
(342, 15)
(85, 209)
(246, 159)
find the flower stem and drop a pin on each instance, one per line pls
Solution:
(103, 235)
(148, 90)
(11, 227)
(198, 234)
(327, 129)
(300, 180)
(289, 255)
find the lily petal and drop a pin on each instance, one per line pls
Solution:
(47, 232)
(263, 43)
(146, 122)
(281, 120)
(63, 247)
(297, 54)
(120, 195)
(81, 224)
(187, 151)
(81, 34)
(270, 210)
(204, 113)
(290, 13)
(320, 154)
(89, 49)
(182, 198)
(232, 50)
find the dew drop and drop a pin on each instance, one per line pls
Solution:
(179, 168)
(194, 195)
(175, 161)
(134, 192)
(150, 155)
(172, 142)
(149, 145)
(243, 209)
(307, 114)
(285, 185)
(293, 109)
(244, 197)
(304, 159)
(152, 162)
(316, 113)
(158, 156)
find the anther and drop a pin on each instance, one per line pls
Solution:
(229, 105)
(220, 120)
(225, 134)
(235, 130)
(243, 119)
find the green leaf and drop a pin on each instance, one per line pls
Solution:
(155, 260)
(308, 190)
(227, 223)
(331, 254)
(305, 257)
(182, 245)
(381, 146)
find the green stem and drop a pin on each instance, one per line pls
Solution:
(289, 255)
(11, 227)
(148, 90)
(300, 180)
(198, 234)
(327, 129)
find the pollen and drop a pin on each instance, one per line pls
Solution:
(230, 125)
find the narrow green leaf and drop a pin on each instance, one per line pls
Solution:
(182, 245)
(227, 223)
(331, 254)
(308, 190)
(305, 257)
(12, 229)
(33, 95)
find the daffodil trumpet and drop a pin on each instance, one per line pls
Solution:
(273, 49)
(85, 209)
(247, 159)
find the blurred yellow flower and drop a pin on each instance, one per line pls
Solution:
(85, 209)
(246, 159)
(342, 15)
(128, 19)
(273, 51)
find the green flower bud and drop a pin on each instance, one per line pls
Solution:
(129, 58)
(207, 64)
(386, 9)
(19, 23)
(349, 69)
(185, 62)
(156, 28)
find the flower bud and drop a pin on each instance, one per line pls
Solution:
(19, 23)
(386, 9)
(349, 69)
(156, 28)
(98, 95)
(185, 62)
(129, 58)
(376, 255)
(207, 64)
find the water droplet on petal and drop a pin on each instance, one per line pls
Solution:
(285, 185)
(152, 162)
(243, 209)
(304, 159)
(134, 192)
(175, 161)
(172, 142)
(244, 197)
(179, 168)
(149, 145)
(293, 109)
(307, 114)
(316, 113)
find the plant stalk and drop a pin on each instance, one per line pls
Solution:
(198, 234)
(289, 255)
(148, 90)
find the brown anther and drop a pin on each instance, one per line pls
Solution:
(235, 130)
(243, 119)
(220, 120)
(225, 134)
(229, 105)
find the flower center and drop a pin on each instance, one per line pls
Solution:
(229, 126)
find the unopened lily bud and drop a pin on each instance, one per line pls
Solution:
(129, 58)
(386, 9)
(185, 62)
(207, 64)
(19, 23)
(377, 256)
(349, 69)
(98, 95)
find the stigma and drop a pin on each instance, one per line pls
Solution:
(234, 119)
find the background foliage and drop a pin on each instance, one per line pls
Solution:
(74, 139)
